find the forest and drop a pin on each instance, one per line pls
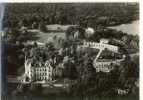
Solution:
(69, 13)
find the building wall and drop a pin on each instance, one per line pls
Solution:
(103, 66)
(106, 66)
(43, 73)
(104, 41)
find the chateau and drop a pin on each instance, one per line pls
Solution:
(41, 73)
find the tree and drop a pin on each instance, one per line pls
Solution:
(70, 32)
(42, 26)
(70, 70)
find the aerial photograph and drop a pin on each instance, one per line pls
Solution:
(70, 51)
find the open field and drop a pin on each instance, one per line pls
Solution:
(46, 37)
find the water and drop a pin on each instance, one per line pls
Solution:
(130, 28)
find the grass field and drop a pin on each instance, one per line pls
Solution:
(46, 37)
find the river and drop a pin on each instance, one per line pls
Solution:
(130, 28)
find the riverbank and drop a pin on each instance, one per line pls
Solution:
(130, 28)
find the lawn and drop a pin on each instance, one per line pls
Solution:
(52, 30)
(45, 37)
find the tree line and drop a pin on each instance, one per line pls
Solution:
(70, 13)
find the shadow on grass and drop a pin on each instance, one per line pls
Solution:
(32, 36)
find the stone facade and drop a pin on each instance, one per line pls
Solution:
(38, 73)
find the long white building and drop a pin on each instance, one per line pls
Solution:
(101, 45)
